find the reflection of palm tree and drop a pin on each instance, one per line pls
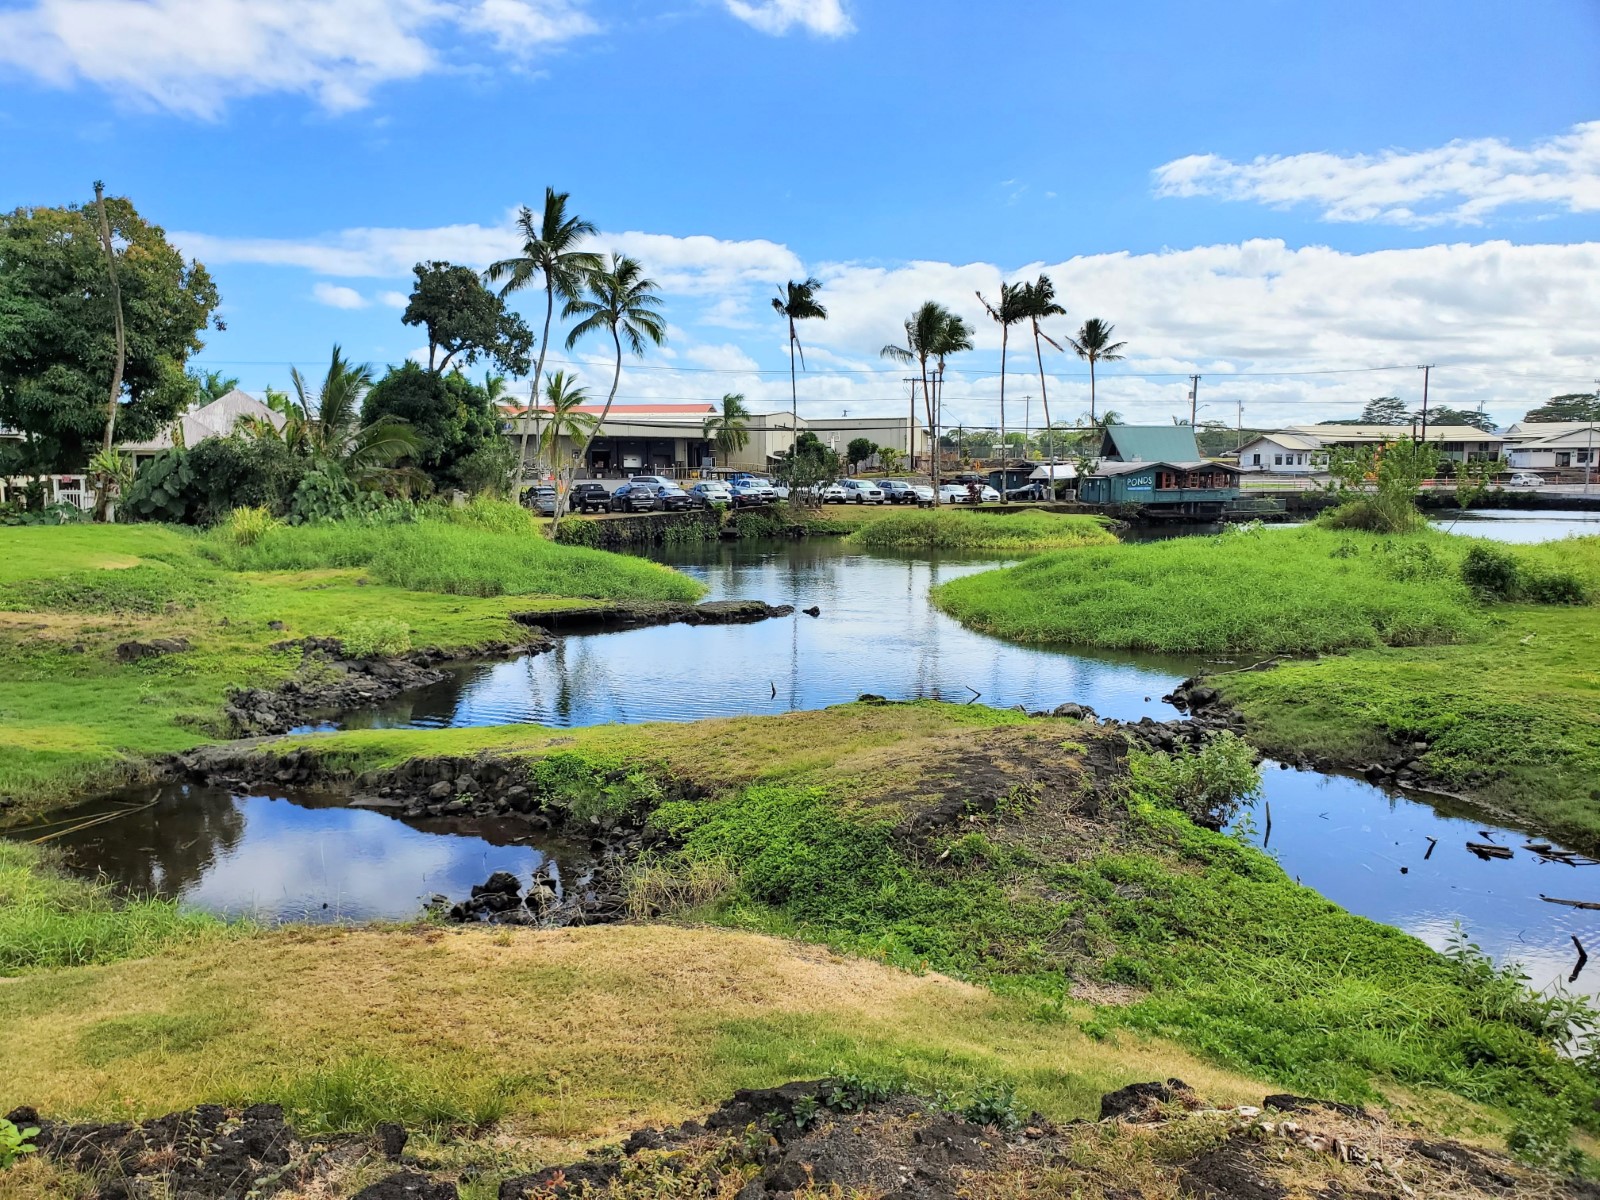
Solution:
(1094, 344)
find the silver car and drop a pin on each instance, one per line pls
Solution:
(860, 491)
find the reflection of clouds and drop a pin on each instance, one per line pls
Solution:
(362, 865)
(877, 633)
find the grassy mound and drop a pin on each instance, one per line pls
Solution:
(49, 919)
(944, 529)
(1050, 880)
(463, 557)
(1269, 591)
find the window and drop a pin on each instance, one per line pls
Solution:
(1583, 456)
(1277, 460)
(1255, 460)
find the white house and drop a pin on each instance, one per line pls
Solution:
(1454, 442)
(1283, 454)
(1553, 445)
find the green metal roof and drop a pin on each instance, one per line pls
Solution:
(1150, 443)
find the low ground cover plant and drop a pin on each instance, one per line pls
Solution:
(1277, 591)
(946, 529)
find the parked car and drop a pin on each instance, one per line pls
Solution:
(672, 498)
(832, 493)
(542, 500)
(658, 480)
(898, 491)
(862, 491)
(1037, 490)
(1525, 479)
(587, 497)
(634, 497)
(961, 493)
(924, 494)
(711, 491)
(750, 490)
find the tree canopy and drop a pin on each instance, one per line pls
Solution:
(1573, 406)
(57, 328)
(452, 419)
(466, 321)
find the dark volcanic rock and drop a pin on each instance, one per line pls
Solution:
(1141, 1101)
(601, 618)
(129, 652)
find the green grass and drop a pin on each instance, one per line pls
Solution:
(1513, 719)
(945, 529)
(797, 832)
(49, 919)
(1272, 591)
(73, 719)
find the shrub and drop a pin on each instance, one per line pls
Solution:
(247, 526)
(579, 531)
(1208, 785)
(1545, 586)
(162, 490)
(1491, 572)
(376, 637)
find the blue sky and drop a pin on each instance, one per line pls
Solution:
(1252, 193)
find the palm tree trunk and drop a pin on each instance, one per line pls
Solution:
(538, 374)
(571, 472)
(927, 403)
(1049, 434)
(1005, 337)
(1091, 390)
(794, 401)
(102, 499)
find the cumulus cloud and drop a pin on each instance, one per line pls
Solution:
(1461, 183)
(337, 296)
(825, 18)
(1264, 322)
(194, 56)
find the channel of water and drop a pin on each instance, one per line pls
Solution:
(1401, 860)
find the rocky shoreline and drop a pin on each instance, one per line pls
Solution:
(842, 1137)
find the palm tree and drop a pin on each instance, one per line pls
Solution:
(954, 335)
(922, 330)
(549, 252)
(1007, 313)
(1094, 343)
(797, 302)
(214, 385)
(1039, 301)
(620, 298)
(563, 403)
(728, 430)
(330, 429)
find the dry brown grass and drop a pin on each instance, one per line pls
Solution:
(581, 1032)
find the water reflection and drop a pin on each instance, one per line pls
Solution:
(1368, 851)
(286, 857)
(877, 633)
(1518, 526)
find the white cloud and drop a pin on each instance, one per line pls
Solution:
(1461, 183)
(335, 296)
(826, 18)
(394, 299)
(195, 56)
(1507, 324)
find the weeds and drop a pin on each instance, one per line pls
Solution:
(375, 637)
(945, 529)
(1208, 785)
(15, 1142)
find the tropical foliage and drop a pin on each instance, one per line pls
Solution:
(1093, 344)
(729, 428)
(798, 302)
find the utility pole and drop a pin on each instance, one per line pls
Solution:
(911, 427)
(1194, 397)
(1426, 371)
(1239, 426)
(1588, 466)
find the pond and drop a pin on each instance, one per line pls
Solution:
(1516, 525)
(301, 857)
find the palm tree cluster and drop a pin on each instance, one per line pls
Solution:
(605, 295)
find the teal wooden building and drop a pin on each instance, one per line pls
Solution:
(1159, 468)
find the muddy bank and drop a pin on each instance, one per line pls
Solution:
(330, 681)
(830, 1136)
(603, 618)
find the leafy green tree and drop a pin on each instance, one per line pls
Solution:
(620, 299)
(58, 343)
(1093, 344)
(456, 425)
(858, 451)
(798, 302)
(953, 336)
(809, 463)
(1389, 477)
(466, 320)
(1571, 407)
(1039, 302)
(552, 252)
(1445, 415)
(729, 428)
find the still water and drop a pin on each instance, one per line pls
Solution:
(300, 857)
